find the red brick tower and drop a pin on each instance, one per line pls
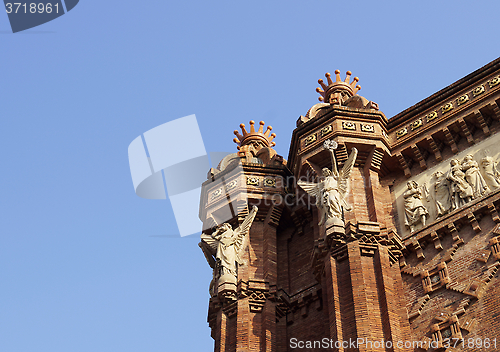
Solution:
(243, 317)
(355, 266)
(410, 262)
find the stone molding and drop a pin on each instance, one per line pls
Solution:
(369, 234)
(259, 293)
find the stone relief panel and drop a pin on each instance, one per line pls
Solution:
(448, 186)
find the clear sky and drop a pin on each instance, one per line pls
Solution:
(85, 264)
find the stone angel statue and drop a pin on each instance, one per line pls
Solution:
(491, 172)
(331, 192)
(223, 250)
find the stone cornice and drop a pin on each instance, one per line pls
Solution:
(445, 93)
(369, 234)
(215, 192)
(426, 128)
(330, 114)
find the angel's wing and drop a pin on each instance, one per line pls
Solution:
(241, 233)
(313, 189)
(209, 247)
(345, 173)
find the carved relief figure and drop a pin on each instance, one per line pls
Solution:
(223, 249)
(474, 177)
(330, 193)
(490, 172)
(442, 194)
(460, 191)
(415, 211)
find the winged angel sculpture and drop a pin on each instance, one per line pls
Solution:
(223, 250)
(331, 192)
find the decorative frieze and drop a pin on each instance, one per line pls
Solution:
(431, 116)
(252, 181)
(402, 132)
(349, 125)
(494, 82)
(270, 182)
(232, 185)
(366, 127)
(447, 107)
(416, 124)
(448, 186)
(220, 191)
(461, 100)
(478, 90)
(326, 130)
(310, 139)
(215, 193)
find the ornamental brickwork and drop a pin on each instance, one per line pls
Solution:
(414, 257)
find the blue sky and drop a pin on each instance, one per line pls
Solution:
(83, 266)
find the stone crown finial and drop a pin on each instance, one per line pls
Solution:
(255, 136)
(338, 86)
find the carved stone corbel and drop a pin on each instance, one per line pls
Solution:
(437, 242)
(473, 222)
(482, 122)
(450, 140)
(495, 247)
(466, 131)
(418, 249)
(418, 155)
(404, 165)
(494, 214)
(454, 232)
(495, 109)
(435, 147)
